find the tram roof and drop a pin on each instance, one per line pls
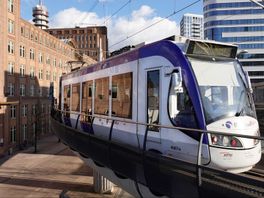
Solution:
(188, 46)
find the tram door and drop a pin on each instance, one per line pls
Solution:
(153, 103)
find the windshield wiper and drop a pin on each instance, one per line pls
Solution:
(241, 101)
(239, 113)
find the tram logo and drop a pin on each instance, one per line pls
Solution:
(228, 124)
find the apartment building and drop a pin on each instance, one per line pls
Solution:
(192, 26)
(30, 60)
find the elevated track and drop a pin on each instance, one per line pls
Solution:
(168, 176)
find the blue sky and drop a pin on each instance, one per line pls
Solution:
(132, 18)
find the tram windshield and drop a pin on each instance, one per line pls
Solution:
(223, 89)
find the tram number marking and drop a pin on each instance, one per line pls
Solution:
(176, 148)
(226, 155)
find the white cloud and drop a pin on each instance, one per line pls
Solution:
(71, 17)
(144, 11)
(120, 28)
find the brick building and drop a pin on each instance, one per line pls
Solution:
(30, 59)
(91, 41)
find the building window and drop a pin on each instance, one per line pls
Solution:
(40, 58)
(22, 31)
(10, 47)
(34, 128)
(60, 63)
(24, 110)
(40, 91)
(22, 89)
(22, 51)
(12, 111)
(24, 131)
(34, 109)
(32, 90)
(54, 77)
(122, 95)
(32, 72)
(11, 89)
(31, 54)
(22, 70)
(13, 134)
(47, 75)
(101, 98)
(42, 108)
(48, 91)
(11, 68)
(75, 97)
(48, 60)
(54, 62)
(10, 6)
(40, 74)
(11, 26)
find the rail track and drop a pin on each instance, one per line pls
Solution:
(251, 184)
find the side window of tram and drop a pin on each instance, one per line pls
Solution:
(153, 86)
(87, 97)
(67, 97)
(75, 97)
(101, 96)
(122, 95)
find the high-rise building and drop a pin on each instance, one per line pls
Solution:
(41, 16)
(192, 26)
(239, 22)
(91, 41)
(30, 60)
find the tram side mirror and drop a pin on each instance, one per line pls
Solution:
(177, 80)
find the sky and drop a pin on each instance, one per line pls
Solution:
(126, 20)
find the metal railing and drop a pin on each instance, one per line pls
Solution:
(116, 120)
(158, 125)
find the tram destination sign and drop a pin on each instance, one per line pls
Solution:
(211, 49)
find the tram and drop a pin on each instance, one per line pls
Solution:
(158, 98)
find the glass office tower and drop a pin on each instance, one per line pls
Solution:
(240, 22)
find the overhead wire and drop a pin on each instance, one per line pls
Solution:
(94, 5)
(155, 23)
(118, 10)
(86, 14)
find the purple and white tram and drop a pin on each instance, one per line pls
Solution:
(186, 83)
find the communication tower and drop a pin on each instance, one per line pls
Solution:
(41, 16)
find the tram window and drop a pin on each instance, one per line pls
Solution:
(101, 100)
(87, 97)
(122, 95)
(75, 97)
(66, 99)
(181, 109)
(90, 90)
(153, 84)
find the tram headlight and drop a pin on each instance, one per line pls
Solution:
(225, 141)
(256, 141)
